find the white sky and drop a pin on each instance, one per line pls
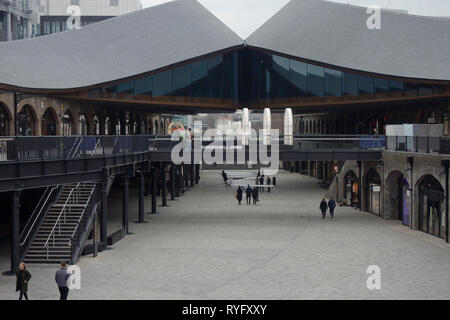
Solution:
(245, 16)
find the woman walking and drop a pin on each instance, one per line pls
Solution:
(239, 195)
(23, 277)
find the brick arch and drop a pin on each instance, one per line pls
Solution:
(48, 120)
(27, 124)
(6, 123)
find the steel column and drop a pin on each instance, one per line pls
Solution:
(197, 173)
(172, 182)
(15, 232)
(192, 175)
(104, 214)
(154, 177)
(125, 197)
(141, 218)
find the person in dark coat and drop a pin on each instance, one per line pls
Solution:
(261, 182)
(23, 277)
(61, 277)
(248, 193)
(323, 208)
(269, 182)
(332, 206)
(255, 195)
(239, 195)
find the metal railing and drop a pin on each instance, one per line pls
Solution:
(47, 197)
(436, 145)
(62, 213)
(73, 147)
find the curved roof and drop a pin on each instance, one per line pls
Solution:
(117, 48)
(337, 34)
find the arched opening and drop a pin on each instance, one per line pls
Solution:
(161, 128)
(68, 124)
(5, 121)
(26, 121)
(156, 127)
(314, 127)
(150, 127)
(431, 206)
(108, 126)
(83, 125)
(48, 124)
(373, 192)
(97, 130)
(351, 188)
(117, 127)
(398, 205)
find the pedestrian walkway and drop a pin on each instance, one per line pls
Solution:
(206, 246)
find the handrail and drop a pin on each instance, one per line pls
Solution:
(59, 217)
(77, 148)
(37, 216)
(81, 216)
(73, 145)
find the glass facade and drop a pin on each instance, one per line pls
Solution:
(255, 78)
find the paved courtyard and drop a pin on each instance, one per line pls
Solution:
(205, 246)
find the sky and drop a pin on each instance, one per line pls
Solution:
(245, 16)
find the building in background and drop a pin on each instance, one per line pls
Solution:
(51, 16)
(15, 19)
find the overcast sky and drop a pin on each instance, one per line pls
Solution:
(245, 16)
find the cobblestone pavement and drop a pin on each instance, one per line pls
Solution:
(205, 246)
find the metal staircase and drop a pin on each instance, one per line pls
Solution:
(63, 229)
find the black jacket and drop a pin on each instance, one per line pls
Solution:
(323, 205)
(23, 277)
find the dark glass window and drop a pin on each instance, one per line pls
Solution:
(280, 78)
(199, 78)
(94, 93)
(366, 85)
(125, 88)
(381, 85)
(411, 88)
(180, 81)
(216, 78)
(143, 86)
(351, 84)
(333, 80)
(109, 92)
(396, 85)
(316, 80)
(425, 90)
(299, 78)
(161, 84)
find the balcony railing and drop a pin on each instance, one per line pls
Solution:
(436, 145)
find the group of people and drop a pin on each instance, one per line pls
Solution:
(23, 277)
(324, 206)
(249, 194)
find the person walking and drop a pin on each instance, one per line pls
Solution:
(261, 182)
(61, 277)
(239, 195)
(323, 208)
(248, 193)
(23, 276)
(255, 195)
(332, 206)
(269, 182)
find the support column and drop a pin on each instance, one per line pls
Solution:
(104, 214)
(360, 186)
(186, 177)
(172, 182)
(178, 181)
(181, 181)
(15, 235)
(8, 26)
(192, 175)
(164, 185)
(154, 177)
(141, 218)
(197, 173)
(125, 197)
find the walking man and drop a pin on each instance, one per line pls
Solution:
(332, 206)
(248, 193)
(61, 277)
(239, 195)
(23, 277)
(323, 208)
(261, 182)
(255, 195)
(269, 182)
